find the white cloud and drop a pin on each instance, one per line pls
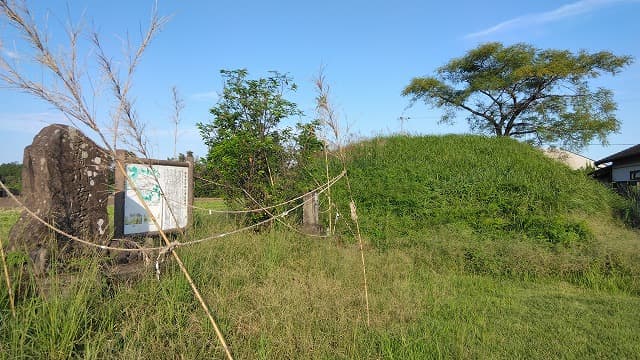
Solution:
(205, 96)
(11, 54)
(30, 123)
(565, 11)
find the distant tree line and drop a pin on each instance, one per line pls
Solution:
(11, 176)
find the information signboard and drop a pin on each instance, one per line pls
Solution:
(166, 189)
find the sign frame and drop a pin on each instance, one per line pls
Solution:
(121, 193)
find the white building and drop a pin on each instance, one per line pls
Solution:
(624, 166)
(571, 159)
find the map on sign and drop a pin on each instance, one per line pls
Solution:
(171, 211)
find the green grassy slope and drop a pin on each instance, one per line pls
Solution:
(488, 206)
(490, 185)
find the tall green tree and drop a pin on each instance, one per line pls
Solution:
(522, 91)
(249, 148)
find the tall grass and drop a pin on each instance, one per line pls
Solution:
(7, 218)
(629, 207)
(556, 279)
(278, 295)
(490, 206)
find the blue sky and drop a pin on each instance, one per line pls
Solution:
(370, 51)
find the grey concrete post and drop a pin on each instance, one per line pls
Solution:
(310, 213)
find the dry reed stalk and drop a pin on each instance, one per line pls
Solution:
(65, 234)
(7, 279)
(184, 270)
(178, 106)
(277, 217)
(354, 216)
(71, 101)
(326, 164)
(330, 119)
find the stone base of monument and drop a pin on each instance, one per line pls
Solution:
(128, 273)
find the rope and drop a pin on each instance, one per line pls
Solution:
(8, 280)
(272, 218)
(171, 245)
(162, 255)
(322, 187)
(319, 189)
(286, 224)
(181, 265)
(65, 234)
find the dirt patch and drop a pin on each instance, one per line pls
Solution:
(7, 203)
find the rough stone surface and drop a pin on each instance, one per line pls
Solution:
(64, 181)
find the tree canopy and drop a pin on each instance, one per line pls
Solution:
(520, 91)
(249, 149)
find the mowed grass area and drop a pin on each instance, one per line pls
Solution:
(281, 295)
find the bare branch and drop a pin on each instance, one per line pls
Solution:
(178, 106)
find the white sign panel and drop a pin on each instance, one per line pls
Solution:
(171, 211)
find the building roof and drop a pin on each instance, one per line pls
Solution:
(602, 173)
(632, 151)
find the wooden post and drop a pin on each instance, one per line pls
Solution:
(192, 180)
(310, 213)
(118, 197)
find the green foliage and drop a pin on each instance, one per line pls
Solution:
(7, 219)
(484, 248)
(11, 176)
(520, 90)
(248, 147)
(204, 182)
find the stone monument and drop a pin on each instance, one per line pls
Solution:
(64, 181)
